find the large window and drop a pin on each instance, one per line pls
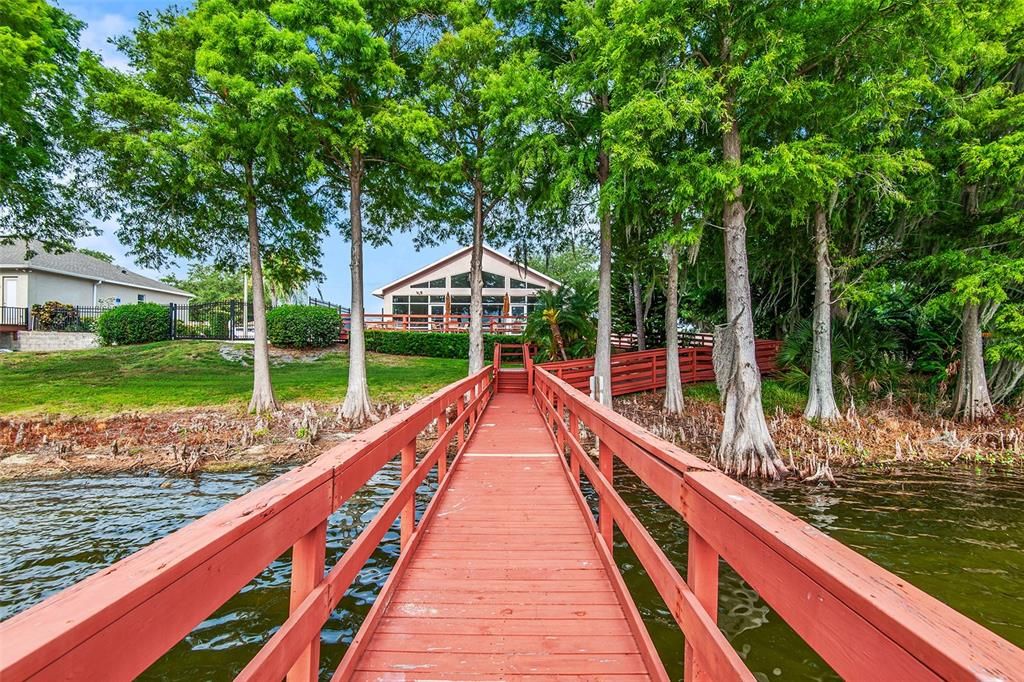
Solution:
(460, 281)
(492, 281)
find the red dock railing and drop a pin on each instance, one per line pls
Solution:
(867, 623)
(115, 624)
(645, 370)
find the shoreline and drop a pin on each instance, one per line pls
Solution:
(189, 440)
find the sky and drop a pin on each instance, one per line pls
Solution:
(108, 18)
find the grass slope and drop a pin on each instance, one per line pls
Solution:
(192, 373)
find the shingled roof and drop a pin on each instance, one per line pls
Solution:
(77, 264)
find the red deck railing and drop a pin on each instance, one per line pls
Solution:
(492, 324)
(864, 621)
(115, 624)
(645, 370)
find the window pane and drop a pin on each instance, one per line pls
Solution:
(400, 308)
(437, 299)
(460, 299)
(494, 299)
(535, 286)
(518, 299)
(437, 283)
(460, 281)
(420, 285)
(517, 284)
(399, 299)
(492, 281)
(418, 299)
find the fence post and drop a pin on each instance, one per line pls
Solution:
(409, 511)
(604, 513)
(171, 317)
(442, 461)
(231, 321)
(574, 431)
(702, 578)
(307, 572)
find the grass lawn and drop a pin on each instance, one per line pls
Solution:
(773, 395)
(192, 373)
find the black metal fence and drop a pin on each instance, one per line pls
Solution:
(13, 317)
(327, 304)
(221, 320)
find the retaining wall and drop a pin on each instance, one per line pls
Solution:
(54, 341)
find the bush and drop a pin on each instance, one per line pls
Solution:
(303, 326)
(431, 344)
(139, 323)
(55, 316)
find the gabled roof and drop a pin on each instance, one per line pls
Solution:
(453, 256)
(75, 264)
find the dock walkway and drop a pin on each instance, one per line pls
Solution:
(507, 579)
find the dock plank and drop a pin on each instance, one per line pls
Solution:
(506, 581)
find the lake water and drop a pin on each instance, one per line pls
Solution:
(957, 535)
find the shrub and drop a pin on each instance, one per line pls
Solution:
(139, 323)
(303, 326)
(431, 344)
(55, 316)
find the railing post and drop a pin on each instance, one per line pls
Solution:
(604, 513)
(307, 572)
(702, 578)
(171, 327)
(409, 511)
(460, 407)
(442, 461)
(574, 431)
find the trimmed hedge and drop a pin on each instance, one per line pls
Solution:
(138, 323)
(303, 326)
(431, 344)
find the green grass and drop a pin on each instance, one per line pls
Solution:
(773, 395)
(189, 374)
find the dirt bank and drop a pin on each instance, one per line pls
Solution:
(179, 441)
(879, 434)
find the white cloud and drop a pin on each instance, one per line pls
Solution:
(97, 33)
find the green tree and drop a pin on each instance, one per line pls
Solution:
(205, 155)
(349, 87)
(98, 255)
(210, 284)
(460, 176)
(39, 99)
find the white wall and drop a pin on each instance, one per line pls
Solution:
(129, 294)
(49, 286)
(22, 299)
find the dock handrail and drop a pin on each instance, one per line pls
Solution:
(156, 596)
(859, 617)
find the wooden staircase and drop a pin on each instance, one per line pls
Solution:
(512, 381)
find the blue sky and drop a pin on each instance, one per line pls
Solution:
(108, 18)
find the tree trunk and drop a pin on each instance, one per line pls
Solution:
(673, 381)
(1006, 377)
(476, 283)
(639, 313)
(972, 398)
(821, 400)
(746, 447)
(262, 391)
(556, 334)
(603, 351)
(357, 405)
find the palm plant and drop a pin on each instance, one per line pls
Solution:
(562, 324)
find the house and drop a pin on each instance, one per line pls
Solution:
(442, 288)
(76, 279)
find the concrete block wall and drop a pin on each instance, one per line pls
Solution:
(54, 341)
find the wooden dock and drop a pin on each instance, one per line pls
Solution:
(507, 579)
(507, 574)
